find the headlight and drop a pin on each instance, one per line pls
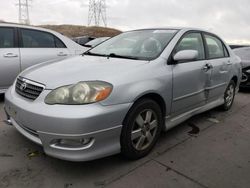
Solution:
(248, 71)
(80, 93)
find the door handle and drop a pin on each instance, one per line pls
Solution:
(61, 54)
(207, 67)
(9, 55)
(229, 62)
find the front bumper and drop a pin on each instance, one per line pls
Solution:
(2, 91)
(45, 124)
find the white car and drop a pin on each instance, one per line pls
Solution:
(23, 46)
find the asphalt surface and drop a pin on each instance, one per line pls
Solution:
(209, 150)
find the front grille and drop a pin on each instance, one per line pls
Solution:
(28, 89)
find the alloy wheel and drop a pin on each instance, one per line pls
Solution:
(229, 95)
(144, 129)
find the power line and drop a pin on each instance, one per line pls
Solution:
(24, 17)
(97, 13)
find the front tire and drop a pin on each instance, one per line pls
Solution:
(229, 96)
(141, 129)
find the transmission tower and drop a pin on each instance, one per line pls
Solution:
(24, 17)
(97, 12)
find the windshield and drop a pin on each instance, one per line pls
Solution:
(96, 41)
(141, 44)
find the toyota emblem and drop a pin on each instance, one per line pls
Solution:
(23, 86)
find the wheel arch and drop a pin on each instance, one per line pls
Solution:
(155, 97)
(235, 79)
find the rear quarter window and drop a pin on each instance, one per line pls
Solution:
(59, 43)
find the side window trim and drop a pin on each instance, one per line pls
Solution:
(16, 43)
(183, 36)
(206, 46)
(20, 38)
(225, 51)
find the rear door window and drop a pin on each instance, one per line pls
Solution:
(7, 37)
(215, 47)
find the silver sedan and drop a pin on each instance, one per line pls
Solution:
(120, 95)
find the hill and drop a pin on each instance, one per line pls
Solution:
(76, 30)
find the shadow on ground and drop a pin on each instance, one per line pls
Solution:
(1, 97)
(245, 90)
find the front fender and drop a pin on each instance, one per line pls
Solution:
(130, 92)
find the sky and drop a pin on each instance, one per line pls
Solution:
(230, 19)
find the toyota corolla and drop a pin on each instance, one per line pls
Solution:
(120, 95)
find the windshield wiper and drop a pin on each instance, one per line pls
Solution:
(110, 55)
(122, 56)
(94, 54)
(87, 45)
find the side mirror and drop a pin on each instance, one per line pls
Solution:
(186, 55)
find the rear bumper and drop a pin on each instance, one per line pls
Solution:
(100, 126)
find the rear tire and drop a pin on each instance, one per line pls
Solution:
(229, 96)
(141, 129)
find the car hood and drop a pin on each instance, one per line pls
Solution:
(81, 68)
(244, 55)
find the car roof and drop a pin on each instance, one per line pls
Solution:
(173, 28)
(5, 24)
(183, 30)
